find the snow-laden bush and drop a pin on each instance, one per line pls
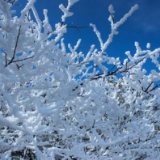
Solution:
(59, 105)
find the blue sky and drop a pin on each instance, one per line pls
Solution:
(143, 26)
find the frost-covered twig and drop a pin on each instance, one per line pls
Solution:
(15, 48)
(114, 27)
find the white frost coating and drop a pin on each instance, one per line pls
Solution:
(66, 104)
(109, 40)
(138, 49)
(45, 11)
(116, 25)
(98, 34)
(37, 17)
(27, 7)
(148, 46)
(89, 53)
(63, 45)
(111, 9)
(77, 45)
(60, 29)
(47, 27)
(133, 9)
(65, 11)
(102, 67)
(5, 7)
(128, 53)
(72, 2)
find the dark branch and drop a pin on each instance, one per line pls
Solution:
(156, 86)
(146, 90)
(112, 68)
(11, 1)
(19, 60)
(76, 27)
(6, 61)
(15, 48)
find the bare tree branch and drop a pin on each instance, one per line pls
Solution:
(146, 90)
(11, 1)
(76, 27)
(15, 48)
(6, 61)
(156, 86)
(19, 60)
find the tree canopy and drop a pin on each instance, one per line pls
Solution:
(58, 103)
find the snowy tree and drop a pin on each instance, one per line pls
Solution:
(59, 105)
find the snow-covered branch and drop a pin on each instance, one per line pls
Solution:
(58, 103)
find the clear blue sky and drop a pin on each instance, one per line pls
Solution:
(143, 26)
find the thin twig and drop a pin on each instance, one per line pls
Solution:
(19, 60)
(112, 68)
(146, 90)
(76, 27)
(6, 58)
(156, 86)
(15, 48)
